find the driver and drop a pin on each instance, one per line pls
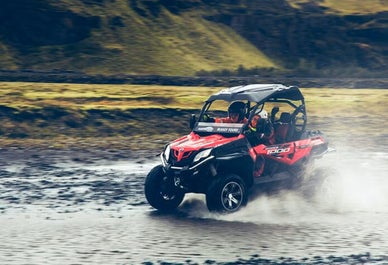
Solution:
(236, 114)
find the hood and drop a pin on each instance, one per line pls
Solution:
(194, 142)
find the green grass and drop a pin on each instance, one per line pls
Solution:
(337, 102)
(347, 7)
(94, 96)
(169, 44)
(129, 116)
(164, 43)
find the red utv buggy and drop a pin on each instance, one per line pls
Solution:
(221, 160)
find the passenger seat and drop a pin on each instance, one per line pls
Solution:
(282, 128)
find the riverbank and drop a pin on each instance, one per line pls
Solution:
(205, 81)
(91, 150)
(142, 119)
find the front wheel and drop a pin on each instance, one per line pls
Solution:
(161, 192)
(226, 194)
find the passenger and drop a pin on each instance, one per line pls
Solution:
(262, 129)
(260, 132)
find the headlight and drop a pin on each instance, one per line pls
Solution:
(202, 154)
(167, 152)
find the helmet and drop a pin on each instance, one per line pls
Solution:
(263, 114)
(237, 107)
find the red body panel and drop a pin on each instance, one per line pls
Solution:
(185, 145)
(287, 153)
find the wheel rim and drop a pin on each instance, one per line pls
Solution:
(165, 190)
(231, 196)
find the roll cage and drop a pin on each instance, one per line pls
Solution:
(256, 97)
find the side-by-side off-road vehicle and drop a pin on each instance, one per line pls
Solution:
(223, 160)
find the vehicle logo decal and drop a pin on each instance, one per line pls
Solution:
(205, 129)
(181, 154)
(274, 150)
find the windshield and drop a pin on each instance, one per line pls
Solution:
(223, 117)
(220, 110)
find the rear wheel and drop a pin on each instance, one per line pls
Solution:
(161, 192)
(227, 194)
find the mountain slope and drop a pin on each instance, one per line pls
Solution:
(122, 38)
(183, 37)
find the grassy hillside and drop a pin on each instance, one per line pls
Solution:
(346, 7)
(187, 36)
(132, 37)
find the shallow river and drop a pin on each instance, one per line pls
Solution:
(59, 211)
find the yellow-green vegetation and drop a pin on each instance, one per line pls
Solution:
(78, 115)
(349, 6)
(6, 59)
(343, 102)
(96, 96)
(129, 116)
(187, 38)
(352, 116)
(327, 102)
(163, 43)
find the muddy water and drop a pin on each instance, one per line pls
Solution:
(59, 210)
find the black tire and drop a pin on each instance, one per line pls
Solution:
(161, 192)
(227, 194)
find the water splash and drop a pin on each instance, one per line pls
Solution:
(357, 182)
(341, 183)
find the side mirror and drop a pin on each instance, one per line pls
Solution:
(193, 120)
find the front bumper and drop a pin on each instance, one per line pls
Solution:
(191, 178)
